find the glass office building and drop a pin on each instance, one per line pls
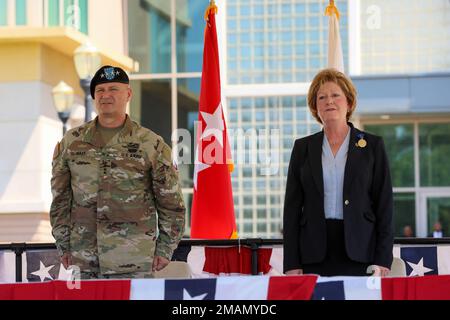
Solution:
(37, 43)
(278, 41)
(404, 36)
(401, 68)
(69, 13)
(166, 39)
(271, 44)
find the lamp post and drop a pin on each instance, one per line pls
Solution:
(63, 100)
(87, 61)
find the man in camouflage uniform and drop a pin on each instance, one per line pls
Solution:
(117, 209)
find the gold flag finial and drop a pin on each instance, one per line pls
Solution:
(234, 235)
(331, 8)
(212, 8)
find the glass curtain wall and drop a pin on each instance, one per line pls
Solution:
(270, 44)
(70, 13)
(3, 12)
(166, 39)
(420, 166)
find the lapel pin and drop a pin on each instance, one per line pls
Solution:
(361, 142)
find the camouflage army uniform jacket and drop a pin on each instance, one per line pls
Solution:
(115, 205)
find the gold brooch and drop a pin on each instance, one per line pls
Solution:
(362, 143)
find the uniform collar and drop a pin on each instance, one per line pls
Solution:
(93, 136)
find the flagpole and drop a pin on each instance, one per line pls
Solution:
(213, 7)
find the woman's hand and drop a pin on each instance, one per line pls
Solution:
(294, 272)
(379, 271)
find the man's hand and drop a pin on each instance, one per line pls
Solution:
(66, 260)
(159, 263)
(294, 272)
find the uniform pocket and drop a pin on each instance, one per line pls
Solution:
(84, 167)
(128, 174)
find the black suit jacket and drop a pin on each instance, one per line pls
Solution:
(367, 203)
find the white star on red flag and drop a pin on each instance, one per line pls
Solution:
(199, 166)
(214, 124)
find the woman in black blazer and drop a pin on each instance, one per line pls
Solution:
(338, 205)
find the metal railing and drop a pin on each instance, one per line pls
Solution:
(254, 244)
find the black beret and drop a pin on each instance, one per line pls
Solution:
(108, 74)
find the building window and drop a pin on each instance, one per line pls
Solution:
(190, 30)
(70, 14)
(74, 14)
(438, 211)
(150, 35)
(434, 154)
(271, 32)
(53, 13)
(277, 116)
(262, 228)
(399, 144)
(21, 12)
(397, 41)
(188, 98)
(425, 195)
(404, 212)
(83, 4)
(3, 12)
(152, 105)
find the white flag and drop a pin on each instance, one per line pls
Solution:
(335, 56)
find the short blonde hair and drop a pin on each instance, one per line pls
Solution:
(331, 75)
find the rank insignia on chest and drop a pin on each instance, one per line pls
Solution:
(132, 147)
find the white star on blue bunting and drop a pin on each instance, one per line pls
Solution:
(43, 272)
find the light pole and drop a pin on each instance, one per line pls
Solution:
(63, 100)
(87, 61)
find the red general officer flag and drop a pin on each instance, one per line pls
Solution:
(212, 215)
